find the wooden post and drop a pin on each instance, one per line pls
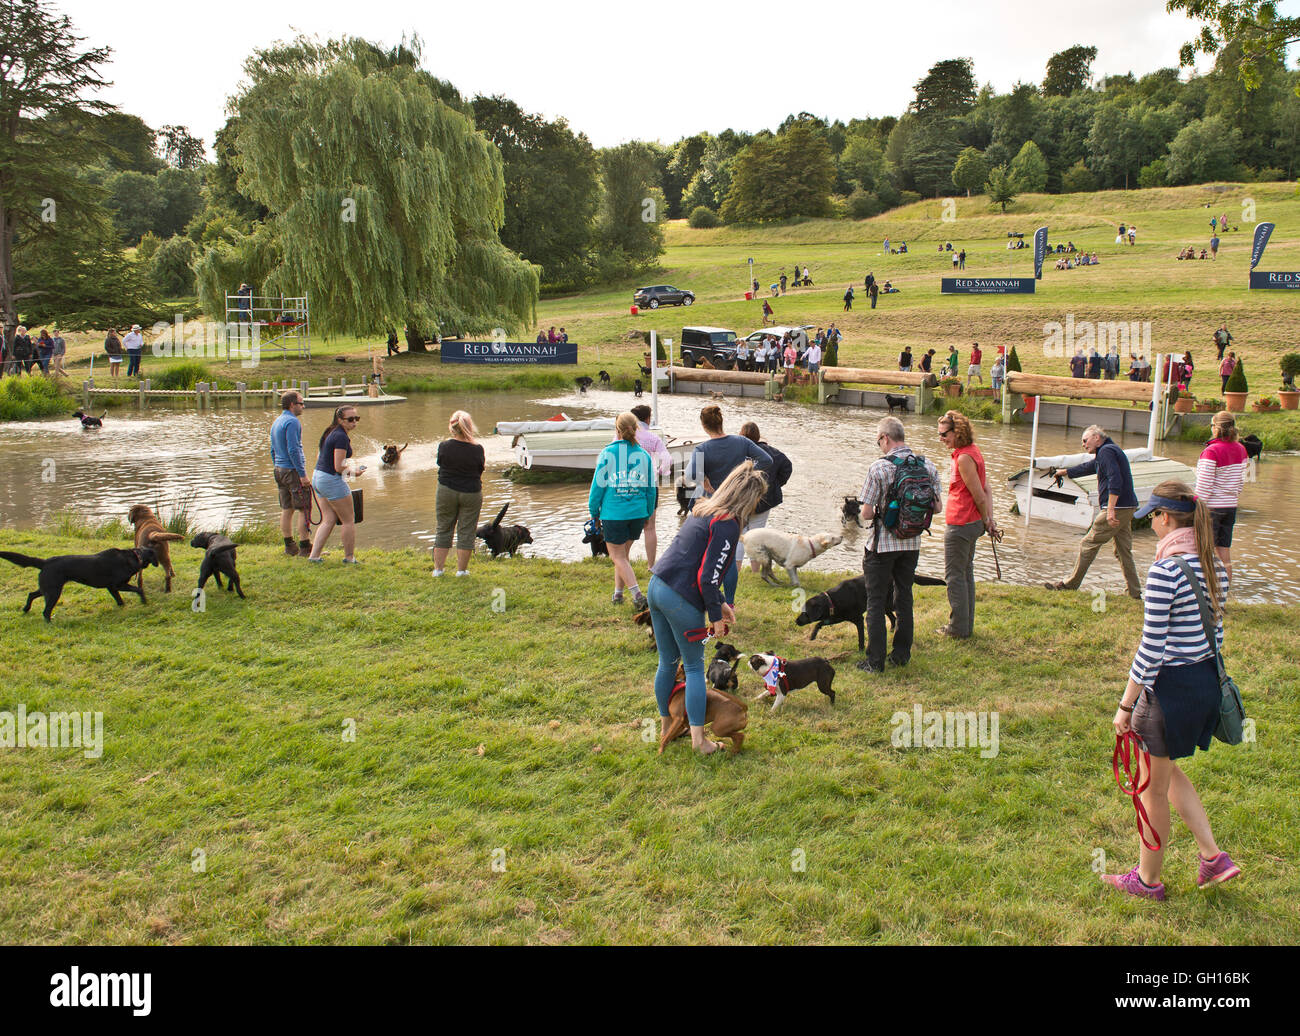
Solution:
(85, 396)
(198, 391)
(148, 389)
(1033, 449)
(139, 396)
(243, 394)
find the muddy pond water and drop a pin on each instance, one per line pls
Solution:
(218, 466)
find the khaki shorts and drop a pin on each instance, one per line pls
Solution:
(293, 494)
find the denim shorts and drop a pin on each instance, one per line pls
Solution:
(331, 487)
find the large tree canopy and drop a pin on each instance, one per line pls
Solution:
(552, 183)
(780, 177)
(45, 137)
(1069, 71)
(385, 202)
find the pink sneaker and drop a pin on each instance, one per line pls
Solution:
(1216, 871)
(1134, 885)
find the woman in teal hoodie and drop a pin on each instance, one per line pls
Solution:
(623, 495)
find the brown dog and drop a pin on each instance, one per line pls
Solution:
(727, 715)
(149, 532)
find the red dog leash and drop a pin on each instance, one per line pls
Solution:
(1128, 755)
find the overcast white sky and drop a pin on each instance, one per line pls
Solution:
(621, 71)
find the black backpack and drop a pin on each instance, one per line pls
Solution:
(910, 503)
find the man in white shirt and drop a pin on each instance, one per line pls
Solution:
(133, 343)
(814, 357)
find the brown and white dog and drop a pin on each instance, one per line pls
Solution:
(727, 715)
(149, 532)
(392, 454)
(787, 550)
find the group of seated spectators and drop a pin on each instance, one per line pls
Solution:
(1014, 243)
(552, 336)
(1084, 259)
(1190, 253)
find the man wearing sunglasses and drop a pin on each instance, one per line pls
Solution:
(1118, 502)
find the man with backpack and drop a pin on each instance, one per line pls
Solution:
(900, 497)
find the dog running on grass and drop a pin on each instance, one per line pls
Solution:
(789, 551)
(109, 570)
(218, 561)
(149, 532)
(783, 676)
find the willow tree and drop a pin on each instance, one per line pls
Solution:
(385, 202)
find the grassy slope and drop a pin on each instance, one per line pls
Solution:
(223, 732)
(1184, 301)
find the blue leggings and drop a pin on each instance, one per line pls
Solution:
(671, 616)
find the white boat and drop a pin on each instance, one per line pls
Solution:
(564, 445)
(1075, 501)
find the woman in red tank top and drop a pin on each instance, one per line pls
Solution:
(967, 517)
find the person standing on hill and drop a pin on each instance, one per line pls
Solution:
(874, 292)
(1094, 365)
(1226, 368)
(783, 282)
(869, 280)
(1078, 364)
(848, 299)
(953, 361)
(133, 343)
(1115, 520)
(905, 359)
(974, 370)
(1222, 339)
(767, 313)
(1214, 247)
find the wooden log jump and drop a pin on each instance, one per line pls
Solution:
(716, 377)
(868, 376)
(1078, 388)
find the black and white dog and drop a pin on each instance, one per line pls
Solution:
(783, 676)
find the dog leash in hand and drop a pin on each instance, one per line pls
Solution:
(1128, 755)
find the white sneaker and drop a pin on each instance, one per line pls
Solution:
(437, 572)
(463, 572)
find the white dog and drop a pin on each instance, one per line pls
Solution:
(788, 551)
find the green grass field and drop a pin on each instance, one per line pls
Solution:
(499, 788)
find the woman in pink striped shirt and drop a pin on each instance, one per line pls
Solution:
(1220, 474)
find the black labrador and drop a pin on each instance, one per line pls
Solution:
(503, 539)
(110, 570)
(218, 561)
(847, 602)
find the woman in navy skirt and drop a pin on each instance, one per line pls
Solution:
(1172, 698)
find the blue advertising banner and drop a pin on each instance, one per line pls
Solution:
(1263, 231)
(1040, 252)
(1262, 278)
(509, 352)
(987, 286)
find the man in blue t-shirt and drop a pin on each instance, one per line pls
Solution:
(291, 474)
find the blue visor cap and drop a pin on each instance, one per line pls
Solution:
(1160, 503)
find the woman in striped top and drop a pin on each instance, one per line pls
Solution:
(1172, 697)
(1220, 473)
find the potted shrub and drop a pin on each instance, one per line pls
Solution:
(1235, 394)
(1209, 406)
(1184, 401)
(1288, 394)
(1266, 403)
(950, 386)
